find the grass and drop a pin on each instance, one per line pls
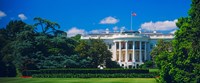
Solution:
(77, 80)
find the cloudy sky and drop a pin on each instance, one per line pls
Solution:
(94, 16)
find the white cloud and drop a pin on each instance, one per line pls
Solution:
(159, 25)
(97, 31)
(74, 31)
(115, 28)
(172, 32)
(109, 20)
(2, 14)
(123, 28)
(22, 16)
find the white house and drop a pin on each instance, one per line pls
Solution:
(130, 48)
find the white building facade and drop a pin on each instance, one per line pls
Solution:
(130, 48)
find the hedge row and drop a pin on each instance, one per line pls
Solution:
(118, 75)
(84, 71)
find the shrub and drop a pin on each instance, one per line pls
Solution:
(117, 75)
(112, 64)
(84, 71)
(147, 64)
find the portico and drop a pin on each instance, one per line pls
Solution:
(130, 53)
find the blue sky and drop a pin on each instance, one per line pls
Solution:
(92, 16)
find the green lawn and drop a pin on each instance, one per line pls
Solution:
(77, 80)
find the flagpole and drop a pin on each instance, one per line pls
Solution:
(131, 21)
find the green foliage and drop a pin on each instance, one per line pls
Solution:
(161, 51)
(153, 70)
(63, 61)
(46, 25)
(25, 48)
(97, 50)
(13, 28)
(117, 75)
(77, 37)
(83, 48)
(78, 80)
(84, 71)
(147, 64)
(112, 64)
(7, 55)
(182, 65)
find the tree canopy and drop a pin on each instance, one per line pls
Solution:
(183, 63)
(24, 47)
(159, 52)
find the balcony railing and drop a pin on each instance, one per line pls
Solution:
(136, 35)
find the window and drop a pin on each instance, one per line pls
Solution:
(130, 45)
(117, 45)
(137, 45)
(109, 46)
(143, 45)
(143, 56)
(123, 45)
(137, 56)
(130, 58)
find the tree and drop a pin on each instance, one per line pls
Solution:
(53, 50)
(147, 64)
(46, 25)
(96, 49)
(158, 52)
(3, 37)
(77, 37)
(7, 36)
(183, 64)
(60, 33)
(99, 52)
(23, 48)
(13, 28)
(83, 48)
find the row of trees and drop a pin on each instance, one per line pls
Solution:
(42, 46)
(179, 60)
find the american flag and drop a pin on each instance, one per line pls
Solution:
(133, 14)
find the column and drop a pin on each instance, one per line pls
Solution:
(126, 54)
(133, 55)
(145, 51)
(115, 51)
(120, 51)
(140, 51)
